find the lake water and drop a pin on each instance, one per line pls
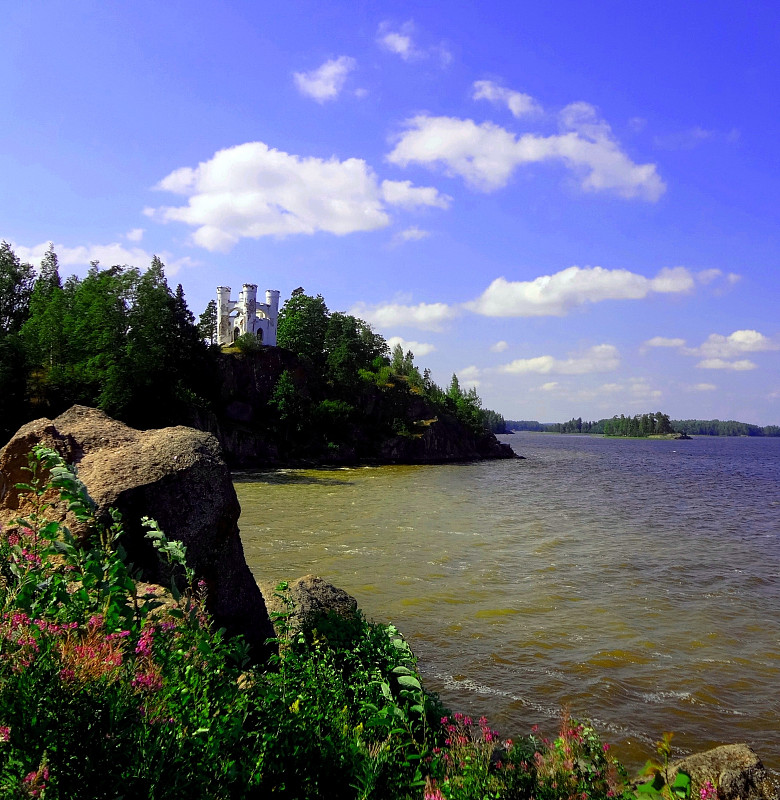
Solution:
(635, 582)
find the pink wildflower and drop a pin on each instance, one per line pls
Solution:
(5, 734)
(708, 791)
(144, 646)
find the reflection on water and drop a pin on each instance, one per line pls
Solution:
(637, 582)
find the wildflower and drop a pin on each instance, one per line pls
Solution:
(708, 791)
(5, 734)
(605, 747)
(144, 646)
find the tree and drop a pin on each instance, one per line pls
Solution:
(302, 327)
(207, 323)
(16, 284)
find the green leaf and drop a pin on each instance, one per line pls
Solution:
(408, 680)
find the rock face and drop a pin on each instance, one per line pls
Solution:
(242, 417)
(173, 475)
(734, 769)
(313, 599)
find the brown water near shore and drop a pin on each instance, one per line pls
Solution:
(635, 582)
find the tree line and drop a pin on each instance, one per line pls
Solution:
(122, 340)
(641, 425)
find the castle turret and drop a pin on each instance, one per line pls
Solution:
(224, 307)
(272, 301)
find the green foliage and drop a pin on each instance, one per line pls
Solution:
(111, 340)
(247, 343)
(716, 427)
(207, 323)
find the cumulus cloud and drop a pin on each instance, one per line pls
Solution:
(252, 190)
(135, 235)
(550, 386)
(486, 155)
(468, 377)
(735, 344)
(719, 363)
(499, 347)
(402, 193)
(663, 341)
(413, 234)
(398, 40)
(418, 348)
(518, 103)
(557, 294)
(425, 316)
(327, 81)
(601, 358)
(108, 255)
(702, 387)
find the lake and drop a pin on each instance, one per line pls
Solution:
(636, 582)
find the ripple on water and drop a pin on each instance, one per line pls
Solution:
(636, 583)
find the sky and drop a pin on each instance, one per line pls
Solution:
(571, 205)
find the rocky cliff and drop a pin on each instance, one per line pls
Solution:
(387, 425)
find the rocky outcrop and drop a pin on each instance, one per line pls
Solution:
(174, 475)
(244, 422)
(733, 769)
(442, 440)
(311, 600)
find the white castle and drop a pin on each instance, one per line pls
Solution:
(246, 315)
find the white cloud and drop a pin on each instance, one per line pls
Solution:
(662, 341)
(557, 294)
(720, 363)
(402, 193)
(731, 346)
(550, 386)
(419, 349)
(425, 316)
(398, 41)
(108, 255)
(486, 155)
(401, 42)
(252, 190)
(413, 234)
(499, 347)
(135, 235)
(692, 137)
(601, 358)
(702, 387)
(468, 377)
(327, 81)
(518, 103)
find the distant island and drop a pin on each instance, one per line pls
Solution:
(645, 425)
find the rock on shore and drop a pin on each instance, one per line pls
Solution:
(174, 475)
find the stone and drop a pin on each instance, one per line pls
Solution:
(734, 769)
(174, 475)
(314, 600)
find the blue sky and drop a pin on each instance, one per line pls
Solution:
(572, 205)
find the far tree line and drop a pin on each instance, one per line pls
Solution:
(641, 425)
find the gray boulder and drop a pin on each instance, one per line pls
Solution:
(176, 476)
(312, 600)
(734, 769)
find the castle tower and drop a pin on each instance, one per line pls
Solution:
(272, 301)
(224, 307)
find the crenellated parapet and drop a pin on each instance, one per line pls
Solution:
(246, 315)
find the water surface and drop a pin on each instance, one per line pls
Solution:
(636, 582)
